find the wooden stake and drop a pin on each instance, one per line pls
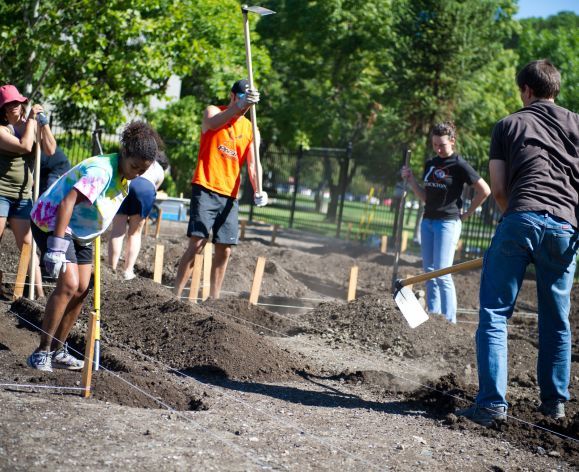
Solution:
(146, 228)
(353, 283)
(196, 278)
(158, 270)
(22, 269)
(207, 261)
(349, 233)
(159, 219)
(404, 244)
(243, 224)
(35, 194)
(89, 355)
(257, 278)
(384, 244)
(274, 233)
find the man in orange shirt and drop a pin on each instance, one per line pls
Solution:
(226, 143)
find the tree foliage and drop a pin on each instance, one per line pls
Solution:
(446, 51)
(327, 59)
(92, 59)
(557, 39)
(102, 60)
(376, 73)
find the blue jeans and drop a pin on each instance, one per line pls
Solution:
(438, 242)
(18, 208)
(549, 243)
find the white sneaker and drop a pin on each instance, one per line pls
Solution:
(129, 275)
(61, 359)
(40, 360)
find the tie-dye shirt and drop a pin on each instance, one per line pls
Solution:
(98, 179)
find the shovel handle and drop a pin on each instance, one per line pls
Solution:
(474, 264)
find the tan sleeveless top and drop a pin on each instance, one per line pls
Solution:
(15, 169)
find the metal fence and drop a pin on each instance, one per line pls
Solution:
(310, 190)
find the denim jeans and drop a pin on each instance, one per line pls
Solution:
(549, 243)
(438, 242)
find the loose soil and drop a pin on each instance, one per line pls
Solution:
(304, 381)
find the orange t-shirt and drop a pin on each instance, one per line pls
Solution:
(222, 153)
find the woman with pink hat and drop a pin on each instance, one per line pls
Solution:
(17, 153)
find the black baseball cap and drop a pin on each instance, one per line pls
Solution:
(240, 86)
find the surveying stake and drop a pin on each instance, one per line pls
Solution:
(97, 302)
(93, 335)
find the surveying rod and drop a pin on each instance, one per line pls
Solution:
(97, 301)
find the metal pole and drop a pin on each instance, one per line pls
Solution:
(344, 181)
(296, 183)
(399, 224)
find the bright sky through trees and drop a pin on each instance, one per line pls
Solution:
(542, 8)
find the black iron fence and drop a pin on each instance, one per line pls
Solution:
(311, 189)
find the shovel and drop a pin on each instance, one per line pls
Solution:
(407, 302)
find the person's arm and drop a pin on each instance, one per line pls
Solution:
(481, 193)
(64, 212)
(498, 173)
(56, 246)
(215, 118)
(409, 177)
(21, 146)
(48, 141)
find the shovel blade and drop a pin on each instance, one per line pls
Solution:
(259, 10)
(410, 308)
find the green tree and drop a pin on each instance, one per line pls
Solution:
(99, 60)
(445, 52)
(557, 39)
(327, 60)
(94, 60)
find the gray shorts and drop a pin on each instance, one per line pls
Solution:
(213, 211)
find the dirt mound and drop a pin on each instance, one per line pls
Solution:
(255, 318)
(145, 316)
(277, 281)
(525, 425)
(376, 321)
(121, 371)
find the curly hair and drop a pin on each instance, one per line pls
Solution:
(163, 160)
(446, 128)
(140, 140)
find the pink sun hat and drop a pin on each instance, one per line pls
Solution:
(9, 93)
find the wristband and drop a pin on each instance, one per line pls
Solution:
(42, 120)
